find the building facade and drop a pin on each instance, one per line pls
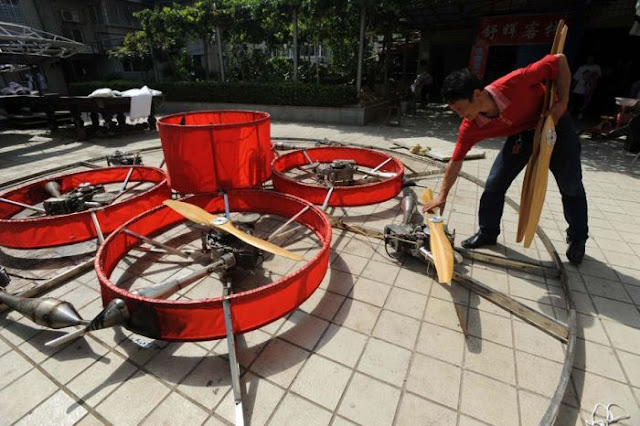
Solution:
(99, 24)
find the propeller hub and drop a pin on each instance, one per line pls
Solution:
(219, 221)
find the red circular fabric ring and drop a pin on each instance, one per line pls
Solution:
(52, 231)
(342, 196)
(183, 320)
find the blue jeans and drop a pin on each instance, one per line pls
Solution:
(565, 166)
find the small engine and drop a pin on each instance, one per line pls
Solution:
(409, 238)
(80, 199)
(338, 172)
(405, 238)
(219, 243)
(120, 158)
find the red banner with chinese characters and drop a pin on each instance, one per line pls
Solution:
(519, 29)
(511, 29)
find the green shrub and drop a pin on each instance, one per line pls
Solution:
(237, 92)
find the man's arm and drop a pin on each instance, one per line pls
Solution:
(450, 175)
(563, 87)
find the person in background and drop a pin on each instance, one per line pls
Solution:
(29, 77)
(586, 80)
(42, 81)
(421, 86)
(510, 106)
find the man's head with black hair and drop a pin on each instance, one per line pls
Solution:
(459, 85)
(463, 92)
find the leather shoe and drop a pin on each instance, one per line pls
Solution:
(479, 240)
(575, 252)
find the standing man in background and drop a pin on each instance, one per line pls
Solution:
(586, 80)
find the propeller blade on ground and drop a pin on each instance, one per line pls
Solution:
(441, 248)
(201, 216)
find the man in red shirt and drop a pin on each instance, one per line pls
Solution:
(510, 106)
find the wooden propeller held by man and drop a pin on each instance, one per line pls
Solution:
(534, 186)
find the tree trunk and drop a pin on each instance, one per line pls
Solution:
(405, 60)
(363, 12)
(318, 51)
(219, 43)
(295, 45)
(207, 70)
(156, 74)
(387, 57)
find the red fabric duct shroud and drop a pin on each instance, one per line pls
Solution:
(207, 151)
(357, 195)
(52, 231)
(184, 320)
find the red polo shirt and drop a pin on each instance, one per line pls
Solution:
(519, 97)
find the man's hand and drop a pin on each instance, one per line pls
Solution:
(434, 204)
(557, 111)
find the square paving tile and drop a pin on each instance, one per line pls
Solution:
(442, 313)
(415, 410)
(303, 329)
(280, 362)
(372, 292)
(259, 401)
(209, 382)
(358, 316)
(385, 361)
(490, 359)
(396, 328)
(342, 345)
(294, 410)
(598, 359)
(16, 403)
(406, 302)
(442, 343)
(487, 326)
(322, 381)
(369, 402)
(133, 400)
(434, 380)
(479, 396)
(102, 378)
(530, 376)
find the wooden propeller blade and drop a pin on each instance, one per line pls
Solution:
(441, 250)
(426, 196)
(191, 212)
(540, 179)
(533, 175)
(201, 216)
(527, 184)
(440, 247)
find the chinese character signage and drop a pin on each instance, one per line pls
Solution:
(511, 29)
(519, 29)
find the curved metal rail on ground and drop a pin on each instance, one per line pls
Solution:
(552, 410)
(554, 406)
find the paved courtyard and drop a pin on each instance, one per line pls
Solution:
(379, 343)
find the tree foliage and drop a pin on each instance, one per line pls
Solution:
(333, 24)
